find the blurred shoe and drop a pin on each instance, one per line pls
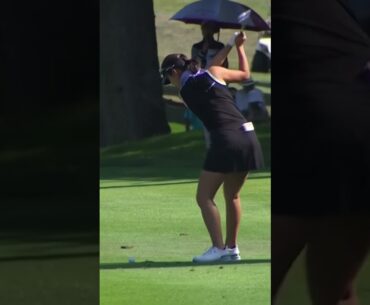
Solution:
(232, 254)
(213, 254)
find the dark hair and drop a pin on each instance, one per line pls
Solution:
(211, 26)
(177, 61)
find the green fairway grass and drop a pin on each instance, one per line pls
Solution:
(148, 211)
(39, 267)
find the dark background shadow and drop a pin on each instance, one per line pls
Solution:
(49, 160)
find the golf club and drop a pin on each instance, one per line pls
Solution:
(243, 19)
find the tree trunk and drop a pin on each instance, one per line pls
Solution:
(131, 105)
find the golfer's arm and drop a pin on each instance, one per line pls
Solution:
(243, 61)
(227, 75)
(220, 57)
(233, 76)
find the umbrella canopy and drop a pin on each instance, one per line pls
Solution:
(226, 14)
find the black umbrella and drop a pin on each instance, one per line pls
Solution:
(224, 13)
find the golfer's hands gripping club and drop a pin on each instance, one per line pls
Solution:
(238, 38)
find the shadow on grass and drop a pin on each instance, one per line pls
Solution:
(48, 256)
(267, 97)
(48, 235)
(151, 264)
(167, 157)
(265, 84)
(171, 183)
(148, 184)
(43, 245)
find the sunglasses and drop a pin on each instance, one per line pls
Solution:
(164, 71)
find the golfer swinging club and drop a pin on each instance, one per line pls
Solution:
(234, 149)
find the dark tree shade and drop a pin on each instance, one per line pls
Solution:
(49, 120)
(49, 152)
(131, 105)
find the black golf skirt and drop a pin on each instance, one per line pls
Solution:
(233, 151)
(330, 178)
(322, 165)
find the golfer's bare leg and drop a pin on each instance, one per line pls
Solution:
(289, 236)
(209, 183)
(335, 254)
(232, 186)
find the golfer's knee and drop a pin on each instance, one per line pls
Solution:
(232, 198)
(204, 201)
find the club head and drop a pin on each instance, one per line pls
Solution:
(244, 18)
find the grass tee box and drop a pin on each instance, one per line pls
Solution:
(148, 212)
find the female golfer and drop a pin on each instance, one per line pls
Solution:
(234, 149)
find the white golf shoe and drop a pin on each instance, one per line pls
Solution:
(232, 254)
(213, 254)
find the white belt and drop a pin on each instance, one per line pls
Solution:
(247, 126)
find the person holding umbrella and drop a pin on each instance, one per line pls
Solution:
(234, 149)
(208, 47)
(203, 52)
(212, 15)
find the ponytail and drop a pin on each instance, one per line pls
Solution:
(192, 65)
